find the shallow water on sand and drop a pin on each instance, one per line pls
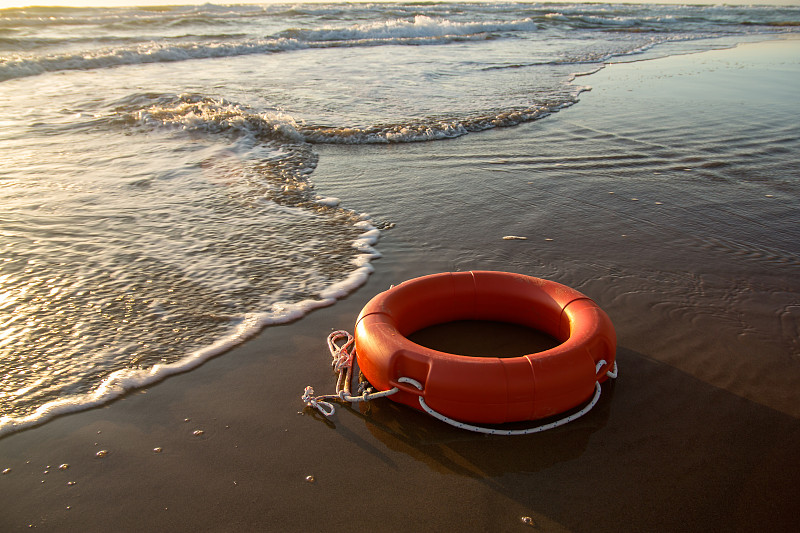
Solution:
(480, 338)
(682, 224)
(157, 166)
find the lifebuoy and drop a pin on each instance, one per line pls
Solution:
(489, 390)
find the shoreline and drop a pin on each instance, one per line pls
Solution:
(697, 434)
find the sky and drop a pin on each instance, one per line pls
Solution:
(117, 3)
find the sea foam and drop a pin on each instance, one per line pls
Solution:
(122, 381)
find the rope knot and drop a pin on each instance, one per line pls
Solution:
(342, 359)
(308, 394)
(326, 408)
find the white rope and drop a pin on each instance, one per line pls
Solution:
(527, 431)
(326, 408)
(343, 365)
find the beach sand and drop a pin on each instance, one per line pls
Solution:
(669, 195)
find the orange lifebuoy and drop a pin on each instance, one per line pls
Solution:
(489, 390)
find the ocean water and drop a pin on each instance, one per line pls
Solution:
(157, 200)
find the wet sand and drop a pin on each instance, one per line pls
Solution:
(668, 195)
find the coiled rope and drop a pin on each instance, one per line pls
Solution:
(343, 357)
(342, 363)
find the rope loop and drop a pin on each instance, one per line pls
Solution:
(610, 373)
(318, 403)
(493, 431)
(410, 381)
(342, 355)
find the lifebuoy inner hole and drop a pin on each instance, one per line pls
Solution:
(483, 338)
